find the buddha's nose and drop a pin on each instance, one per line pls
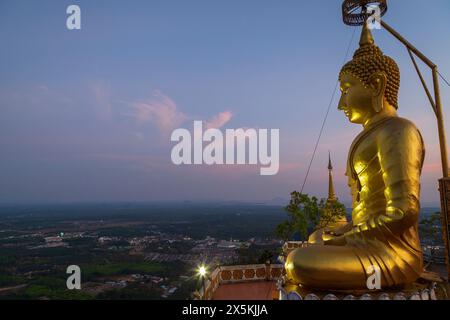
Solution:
(341, 104)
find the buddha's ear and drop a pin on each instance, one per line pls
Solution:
(377, 83)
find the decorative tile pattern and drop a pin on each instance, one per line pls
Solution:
(425, 294)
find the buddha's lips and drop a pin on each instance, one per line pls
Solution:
(346, 111)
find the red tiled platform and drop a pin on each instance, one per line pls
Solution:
(264, 290)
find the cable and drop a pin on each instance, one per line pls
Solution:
(442, 77)
(326, 115)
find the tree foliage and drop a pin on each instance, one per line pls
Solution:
(306, 213)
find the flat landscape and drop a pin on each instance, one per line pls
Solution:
(130, 251)
(134, 251)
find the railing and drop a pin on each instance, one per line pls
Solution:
(238, 274)
(291, 245)
(433, 258)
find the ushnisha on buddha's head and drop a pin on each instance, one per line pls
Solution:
(369, 83)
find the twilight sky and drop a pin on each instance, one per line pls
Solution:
(86, 115)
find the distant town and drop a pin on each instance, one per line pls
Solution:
(130, 253)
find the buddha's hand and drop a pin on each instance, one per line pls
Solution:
(335, 236)
(334, 232)
(337, 240)
(329, 234)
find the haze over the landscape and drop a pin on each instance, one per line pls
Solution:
(87, 115)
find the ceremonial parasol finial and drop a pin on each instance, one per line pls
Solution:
(354, 12)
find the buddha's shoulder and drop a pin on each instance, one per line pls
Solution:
(398, 124)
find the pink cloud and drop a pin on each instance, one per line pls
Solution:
(219, 120)
(164, 113)
(161, 111)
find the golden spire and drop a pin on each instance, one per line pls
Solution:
(367, 46)
(366, 37)
(331, 194)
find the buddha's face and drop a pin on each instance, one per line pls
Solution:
(356, 99)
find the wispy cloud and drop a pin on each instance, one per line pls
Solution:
(219, 120)
(160, 110)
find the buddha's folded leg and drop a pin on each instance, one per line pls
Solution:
(326, 267)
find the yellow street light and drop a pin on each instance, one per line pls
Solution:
(202, 273)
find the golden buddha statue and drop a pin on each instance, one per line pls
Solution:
(383, 168)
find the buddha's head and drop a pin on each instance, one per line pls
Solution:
(369, 82)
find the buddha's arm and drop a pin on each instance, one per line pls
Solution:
(400, 153)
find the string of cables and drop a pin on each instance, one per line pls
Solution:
(326, 114)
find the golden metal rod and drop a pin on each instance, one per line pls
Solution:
(408, 45)
(440, 121)
(442, 138)
(423, 81)
(437, 95)
(444, 159)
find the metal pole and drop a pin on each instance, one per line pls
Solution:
(408, 44)
(204, 288)
(424, 84)
(440, 120)
(444, 183)
(437, 95)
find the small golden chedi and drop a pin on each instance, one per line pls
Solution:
(383, 168)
